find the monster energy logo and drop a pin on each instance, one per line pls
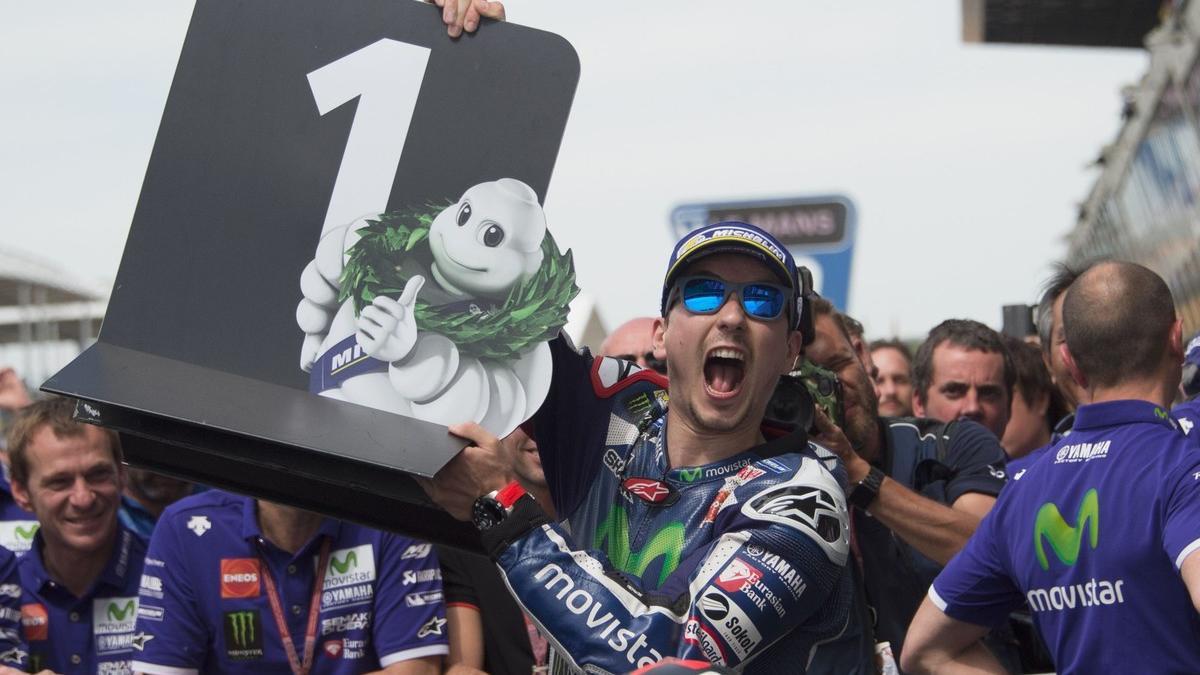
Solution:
(241, 625)
(243, 635)
(1066, 540)
(344, 565)
(118, 613)
(26, 533)
(613, 538)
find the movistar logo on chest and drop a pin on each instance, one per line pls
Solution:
(113, 615)
(1082, 452)
(349, 566)
(695, 473)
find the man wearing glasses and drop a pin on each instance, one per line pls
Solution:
(689, 530)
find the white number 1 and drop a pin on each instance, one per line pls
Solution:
(386, 78)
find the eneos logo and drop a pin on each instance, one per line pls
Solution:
(35, 622)
(1066, 540)
(240, 578)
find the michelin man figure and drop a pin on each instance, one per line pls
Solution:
(482, 247)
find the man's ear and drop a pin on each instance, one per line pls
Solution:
(1175, 341)
(918, 407)
(1073, 368)
(658, 338)
(795, 346)
(20, 493)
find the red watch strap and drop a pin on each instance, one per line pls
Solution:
(509, 494)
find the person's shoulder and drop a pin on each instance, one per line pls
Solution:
(203, 509)
(797, 491)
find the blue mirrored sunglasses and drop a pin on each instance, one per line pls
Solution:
(706, 295)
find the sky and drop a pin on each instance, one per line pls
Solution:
(965, 162)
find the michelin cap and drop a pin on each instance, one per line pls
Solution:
(732, 236)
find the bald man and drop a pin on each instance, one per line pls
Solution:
(1126, 469)
(631, 341)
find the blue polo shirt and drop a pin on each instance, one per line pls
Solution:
(205, 608)
(1092, 536)
(17, 526)
(13, 650)
(91, 634)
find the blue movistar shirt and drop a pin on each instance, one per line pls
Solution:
(14, 651)
(1092, 537)
(204, 604)
(17, 526)
(739, 562)
(89, 634)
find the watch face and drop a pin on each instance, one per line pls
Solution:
(486, 513)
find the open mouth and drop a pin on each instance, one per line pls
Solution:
(724, 370)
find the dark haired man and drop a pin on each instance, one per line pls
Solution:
(963, 369)
(80, 578)
(893, 377)
(690, 534)
(1051, 337)
(1100, 534)
(920, 487)
(1028, 426)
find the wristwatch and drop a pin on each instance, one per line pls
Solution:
(866, 490)
(492, 508)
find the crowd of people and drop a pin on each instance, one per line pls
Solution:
(934, 509)
(651, 510)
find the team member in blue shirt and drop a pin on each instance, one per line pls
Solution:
(1099, 535)
(80, 577)
(237, 585)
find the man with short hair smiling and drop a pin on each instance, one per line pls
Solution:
(1100, 535)
(80, 578)
(690, 534)
(963, 369)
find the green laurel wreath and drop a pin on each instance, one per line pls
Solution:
(533, 312)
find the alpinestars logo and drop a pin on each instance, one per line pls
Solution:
(648, 489)
(813, 507)
(1065, 540)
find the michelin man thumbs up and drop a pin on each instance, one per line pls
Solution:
(387, 329)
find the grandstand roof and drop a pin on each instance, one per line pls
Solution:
(19, 269)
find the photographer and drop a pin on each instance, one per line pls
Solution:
(920, 487)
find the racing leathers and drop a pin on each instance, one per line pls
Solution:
(736, 561)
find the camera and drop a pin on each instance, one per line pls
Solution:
(799, 393)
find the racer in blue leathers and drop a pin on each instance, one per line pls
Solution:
(684, 531)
